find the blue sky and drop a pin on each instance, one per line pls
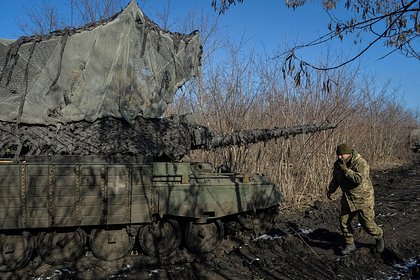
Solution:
(266, 27)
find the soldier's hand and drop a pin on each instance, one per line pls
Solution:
(343, 166)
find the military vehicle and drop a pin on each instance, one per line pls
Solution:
(59, 204)
(415, 140)
(86, 160)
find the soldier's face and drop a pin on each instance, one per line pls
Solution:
(343, 157)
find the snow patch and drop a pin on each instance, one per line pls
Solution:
(57, 273)
(266, 237)
(154, 272)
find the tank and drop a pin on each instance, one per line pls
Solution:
(86, 160)
(57, 205)
(415, 140)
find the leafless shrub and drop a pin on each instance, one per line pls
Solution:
(46, 17)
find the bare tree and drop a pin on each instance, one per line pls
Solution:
(393, 22)
(223, 5)
(45, 18)
(41, 19)
(95, 10)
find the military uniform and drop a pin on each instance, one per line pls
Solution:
(358, 196)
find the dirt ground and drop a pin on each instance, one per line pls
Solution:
(299, 244)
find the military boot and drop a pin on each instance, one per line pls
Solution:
(380, 245)
(348, 249)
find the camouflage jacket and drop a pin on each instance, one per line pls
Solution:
(355, 183)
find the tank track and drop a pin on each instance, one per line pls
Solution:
(234, 229)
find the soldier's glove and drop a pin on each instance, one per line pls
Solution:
(343, 166)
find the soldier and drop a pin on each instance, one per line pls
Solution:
(351, 174)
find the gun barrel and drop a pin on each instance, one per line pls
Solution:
(250, 136)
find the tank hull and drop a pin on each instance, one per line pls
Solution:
(56, 203)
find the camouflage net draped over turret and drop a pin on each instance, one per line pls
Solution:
(123, 67)
(101, 89)
(148, 138)
(155, 138)
(96, 90)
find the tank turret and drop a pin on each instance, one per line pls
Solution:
(155, 138)
(81, 91)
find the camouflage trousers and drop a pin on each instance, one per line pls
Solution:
(366, 218)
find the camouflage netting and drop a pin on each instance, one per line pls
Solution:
(99, 89)
(149, 138)
(123, 67)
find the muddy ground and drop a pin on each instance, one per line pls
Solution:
(299, 244)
